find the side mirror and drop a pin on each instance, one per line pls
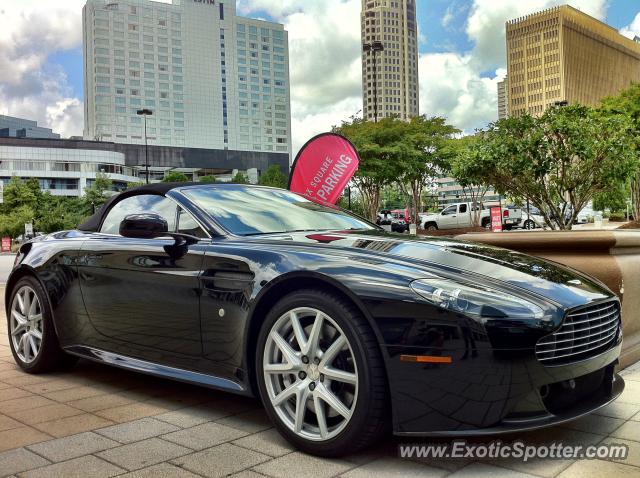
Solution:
(144, 226)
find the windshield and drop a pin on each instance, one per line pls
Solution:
(249, 211)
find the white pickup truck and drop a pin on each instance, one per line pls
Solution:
(459, 215)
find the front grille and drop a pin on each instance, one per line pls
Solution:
(585, 333)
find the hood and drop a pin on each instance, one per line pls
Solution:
(555, 282)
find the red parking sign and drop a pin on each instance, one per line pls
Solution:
(496, 219)
(6, 244)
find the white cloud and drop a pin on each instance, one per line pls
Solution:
(31, 31)
(447, 18)
(455, 85)
(455, 90)
(633, 29)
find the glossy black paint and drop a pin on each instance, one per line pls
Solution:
(191, 312)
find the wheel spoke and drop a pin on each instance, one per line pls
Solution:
(311, 346)
(32, 307)
(24, 344)
(22, 321)
(298, 331)
(33, 346)
(287, 351)
(340, 375)
(279, 367)
(334, 402)
(20, 300)
(318, 405)
(36, 334)
(286, 394)
(332, 351)
(26, 302)
(301, 407)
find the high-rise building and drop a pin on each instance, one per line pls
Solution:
(12, 127)
(503, 99)
(393, 24)
(212, 79)
(563, 55)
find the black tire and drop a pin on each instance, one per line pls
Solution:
(371, 412)
(431, 226)
(486, 224)
(529, 225)
(50, 356)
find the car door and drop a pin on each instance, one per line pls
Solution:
(142, 295)
(448, 217)
(464, 216)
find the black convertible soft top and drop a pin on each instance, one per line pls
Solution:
(160, 189)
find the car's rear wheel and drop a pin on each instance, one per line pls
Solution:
(529, 224)
(321, 375)
(32, 336)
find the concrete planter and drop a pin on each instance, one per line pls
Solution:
(611, 256)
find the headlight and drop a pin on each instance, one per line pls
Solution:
(476, 301)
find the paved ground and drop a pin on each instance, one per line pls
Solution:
(97, 421)
(6, 264)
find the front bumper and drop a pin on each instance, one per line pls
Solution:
(492, 392)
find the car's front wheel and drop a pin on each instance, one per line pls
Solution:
(32, 336)
(321, 375)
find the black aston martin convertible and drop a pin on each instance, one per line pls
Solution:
(340, 328)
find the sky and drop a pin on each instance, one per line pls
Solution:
(462, 57)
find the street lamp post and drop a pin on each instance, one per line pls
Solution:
(145, 112)
(374, 48)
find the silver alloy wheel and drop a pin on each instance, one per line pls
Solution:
(26, 324)
(310, 374)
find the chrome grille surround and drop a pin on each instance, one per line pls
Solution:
(584, 333)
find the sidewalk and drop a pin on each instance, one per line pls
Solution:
(97, 421)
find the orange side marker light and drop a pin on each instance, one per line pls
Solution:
(426, 359)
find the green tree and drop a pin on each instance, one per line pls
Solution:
(12, 223)
(175, 177)
(19, 193)
(423, 149)
(60, 213)
(469, 173)
(240, 178)
(627, 104)
(558, 161)
(273, 177)
(380, 156)
(134, 184)
(614, 199)
(98, 193)
(211, 179)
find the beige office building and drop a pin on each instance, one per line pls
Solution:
(503, 98)
(394, 24)
(562, 54)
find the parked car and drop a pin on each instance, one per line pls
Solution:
(530, 222)
(401, 220)
(587, 214)
(384, 218)
(343, 330)
(460, 215)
